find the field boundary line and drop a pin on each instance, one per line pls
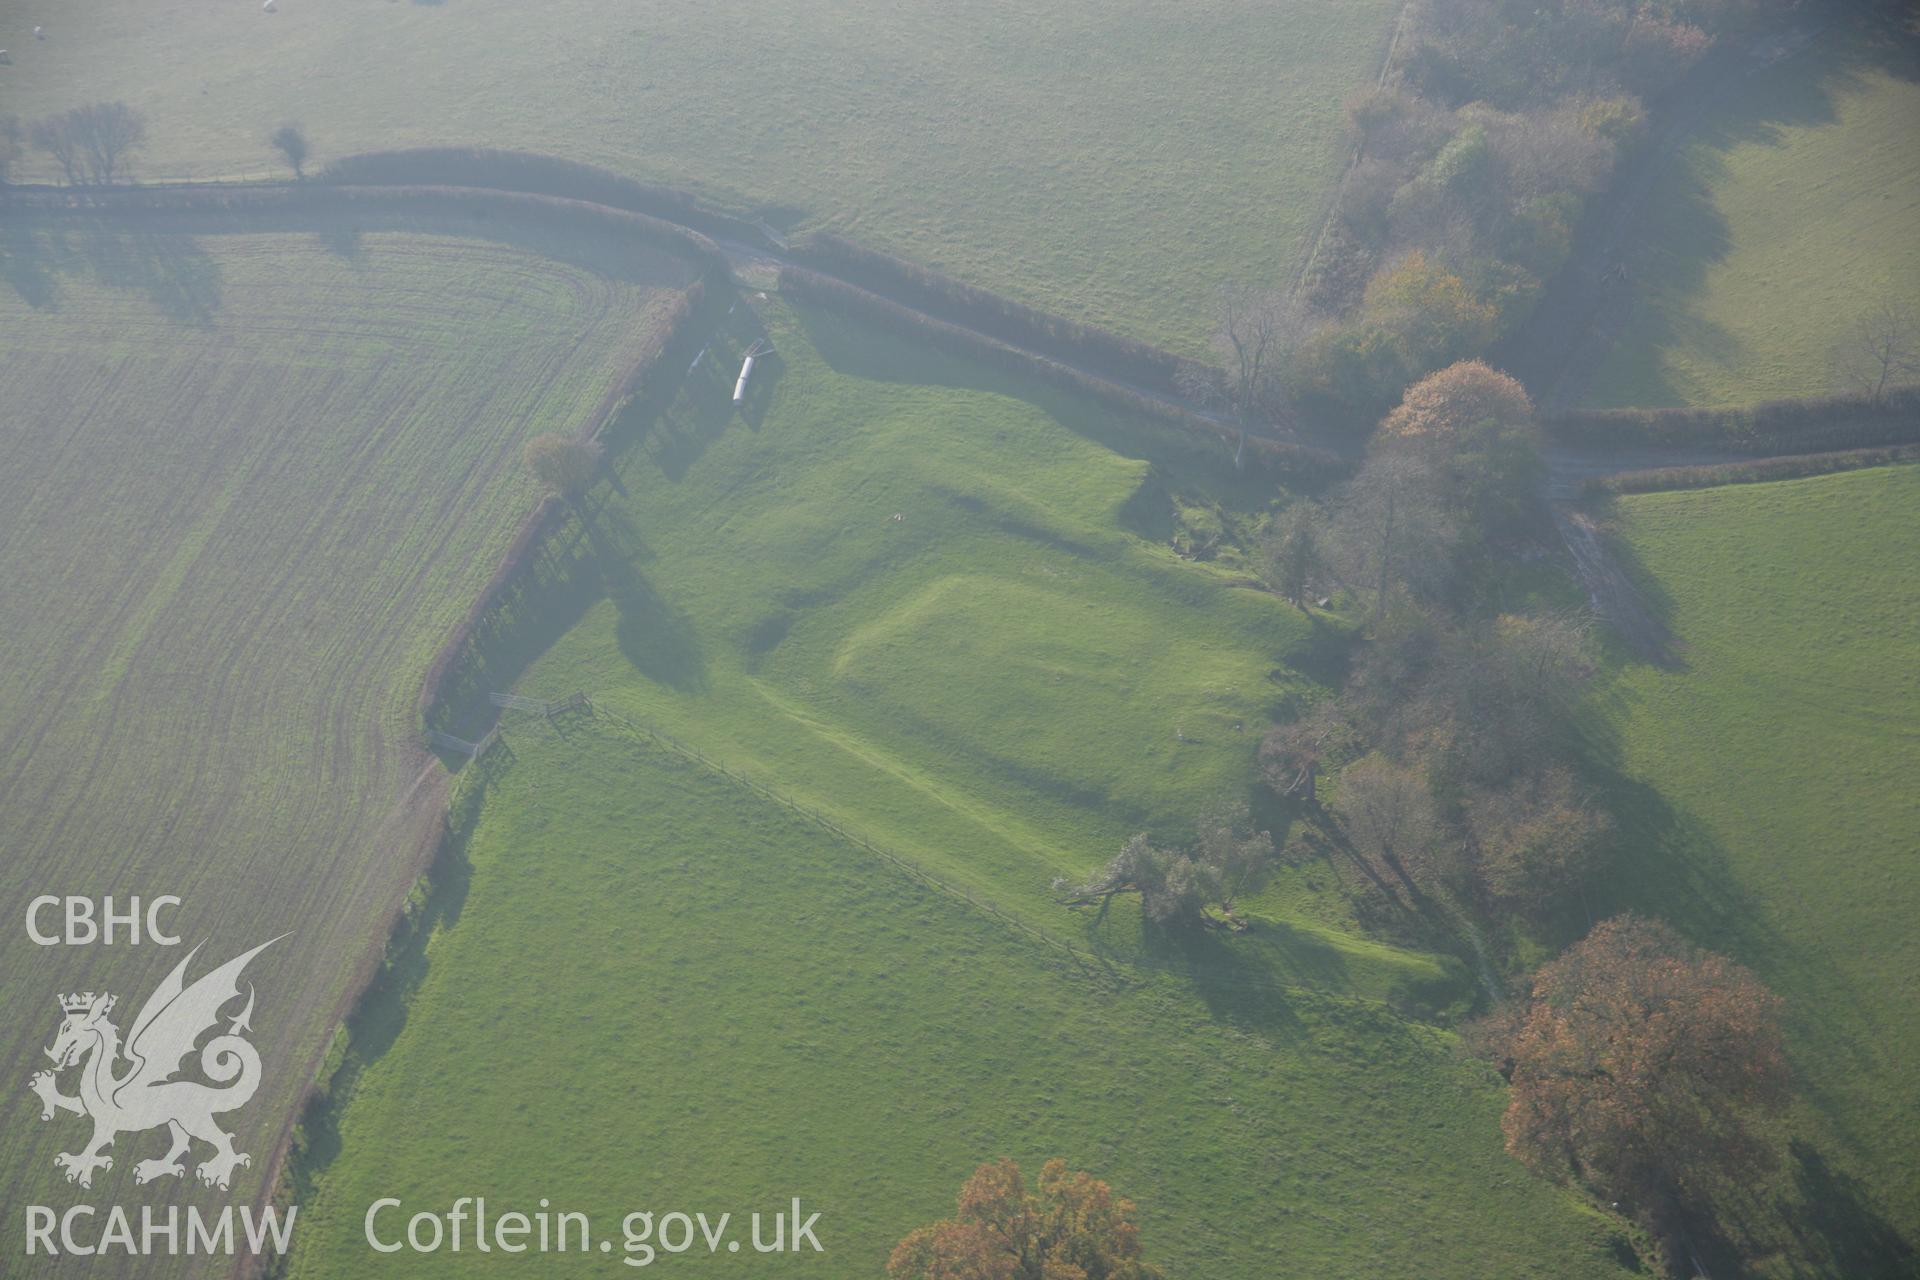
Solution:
(739, 258)
(1331, 204)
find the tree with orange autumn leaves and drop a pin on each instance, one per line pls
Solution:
(1071, 1227)
(1634, 1066)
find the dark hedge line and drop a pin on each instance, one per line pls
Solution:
(462, 672)
(1759, 469)
(318, 198)
(1302, 464)
(1807, 424)
(534, 174)
(945, 298)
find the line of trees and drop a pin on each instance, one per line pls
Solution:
(94, 145)
(1454, 786)
(1474, 161)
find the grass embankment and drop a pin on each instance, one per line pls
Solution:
(1792, 211)
(1111, 163)
(951, 619)
(251, 482)
(662, 991)
(1775, 810)
(999, 685)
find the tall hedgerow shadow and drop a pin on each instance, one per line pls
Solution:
(173, 271)
(655, 636)
(380, 1016)
(685, 424)
(1181, 458)
(27, 261)
(1837, 1222)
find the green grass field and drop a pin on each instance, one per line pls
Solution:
(950, 617)
(662, 992)
(1792, 210)
(1113, 163)
(1767, 795)
(252, 481)
(998, 686)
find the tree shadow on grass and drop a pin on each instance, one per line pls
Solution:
(681, 430)
(173, 271)
(1836, 1223)
(380, 1016)
(1624, 592)
(1643, 256)
(27, 263)
(1236, 984)
(860, 349)
(655, 636)
(1666, 862)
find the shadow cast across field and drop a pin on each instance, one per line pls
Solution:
(380, 1016)
(859, 350)
(1667, 863)
(173, 271)
(1822, 1223)
(678, 430)
(1835, 1220)
(1636, 606)
(159, 235)
(656, 637)
(1251, 977)
(1682, 233)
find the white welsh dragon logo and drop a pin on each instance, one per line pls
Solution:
(145, 1095)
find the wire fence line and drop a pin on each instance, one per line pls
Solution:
(1106, 965)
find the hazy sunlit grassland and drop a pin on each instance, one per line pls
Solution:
(1767, 785)
(1112, 162)
(663, 992)
(1791, 211)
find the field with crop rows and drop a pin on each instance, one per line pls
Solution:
(252, 480)
(1112, 162)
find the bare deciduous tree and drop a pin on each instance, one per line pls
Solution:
(1293, 552)
(55, 137)
(1882, 352)
(1256, 325)
(291, 142)
(1239, 858)
(1291, 754)
(93, 143)
(1390, 817)
(1177, 886)
(1393, 529)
